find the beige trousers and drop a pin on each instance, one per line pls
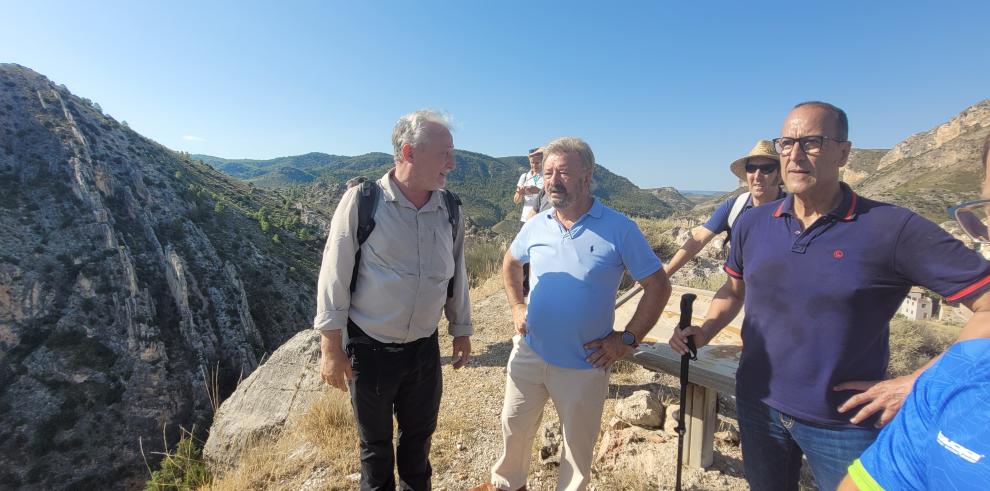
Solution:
(579, 397)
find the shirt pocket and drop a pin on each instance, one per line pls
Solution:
(441, 263)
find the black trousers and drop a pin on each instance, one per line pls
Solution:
(401, 380)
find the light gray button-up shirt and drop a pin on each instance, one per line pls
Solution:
(405, 265)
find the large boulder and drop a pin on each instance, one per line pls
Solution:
(640, 409)
(286, 384)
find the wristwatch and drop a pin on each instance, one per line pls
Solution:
(629, 339)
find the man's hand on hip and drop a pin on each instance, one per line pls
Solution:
(886, 396)
(461, 352)
(335, 368)
(608, 350)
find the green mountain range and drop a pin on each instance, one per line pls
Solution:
(484, 183)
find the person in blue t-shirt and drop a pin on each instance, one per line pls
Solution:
(821, 273)
(760, 170)
(565, 345)
(940, 439)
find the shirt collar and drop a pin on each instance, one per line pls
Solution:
(594, 212)
(845, 211)
(391, 192)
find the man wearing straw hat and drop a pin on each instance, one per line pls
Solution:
(760, 170)
(821, 274)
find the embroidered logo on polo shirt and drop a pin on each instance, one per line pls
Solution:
(838, 254)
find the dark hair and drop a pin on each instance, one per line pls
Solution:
(533, 149)
(841, 120)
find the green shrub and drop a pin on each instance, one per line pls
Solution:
(181, 469)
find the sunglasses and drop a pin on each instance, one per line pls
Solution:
(765, 169)
(972, 218)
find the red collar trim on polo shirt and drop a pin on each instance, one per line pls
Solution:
(852, 206)
(787, 205)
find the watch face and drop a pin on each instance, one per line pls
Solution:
(628, 338)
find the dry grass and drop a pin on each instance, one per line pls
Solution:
(483, 260)
(913, 343)
(324, 437)
(711, 282)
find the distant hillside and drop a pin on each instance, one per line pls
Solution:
(674, 198)
(862, 163)
(484, 183)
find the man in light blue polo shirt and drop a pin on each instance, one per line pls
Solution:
(577, 252)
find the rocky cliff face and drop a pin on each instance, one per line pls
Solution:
(127, 273)
(934, 169)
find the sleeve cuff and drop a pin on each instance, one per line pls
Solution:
(333, 320)
(864, 481)
(460, 330)
(965, 292)
(648, 271)
(731, 272)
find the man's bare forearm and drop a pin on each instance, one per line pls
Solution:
(725, 306)
(656, 293)
(699, 238)
(512, 277)
(330, 340)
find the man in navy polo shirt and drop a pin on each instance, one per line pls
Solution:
(821, 273)
(578, 251)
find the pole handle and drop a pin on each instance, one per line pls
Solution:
(687, 312)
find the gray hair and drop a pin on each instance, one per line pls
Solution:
(571, 144)
(411, 128)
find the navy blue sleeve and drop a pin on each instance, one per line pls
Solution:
(719, 221)
(928, 256)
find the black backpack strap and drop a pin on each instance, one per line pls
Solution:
(453, 204)
(368, 197)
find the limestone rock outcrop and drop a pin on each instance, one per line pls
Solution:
(283, 386)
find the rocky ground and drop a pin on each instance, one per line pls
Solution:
(319, 450)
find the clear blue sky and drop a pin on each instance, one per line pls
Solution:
(666, 93)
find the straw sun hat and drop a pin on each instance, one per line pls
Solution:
(763, 148)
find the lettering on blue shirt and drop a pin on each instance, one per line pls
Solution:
(940, 439)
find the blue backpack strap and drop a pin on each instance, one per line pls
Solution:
(368, 197)
(453, 204)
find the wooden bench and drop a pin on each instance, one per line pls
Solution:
(713, 372)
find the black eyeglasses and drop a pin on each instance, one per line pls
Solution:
(811, 145)
(765, 169)
(972, 218)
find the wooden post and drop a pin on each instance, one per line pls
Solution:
(700, 421)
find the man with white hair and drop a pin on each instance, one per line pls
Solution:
(565, 345)
(382, 286)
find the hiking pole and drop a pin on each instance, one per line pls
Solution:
(687, 301)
